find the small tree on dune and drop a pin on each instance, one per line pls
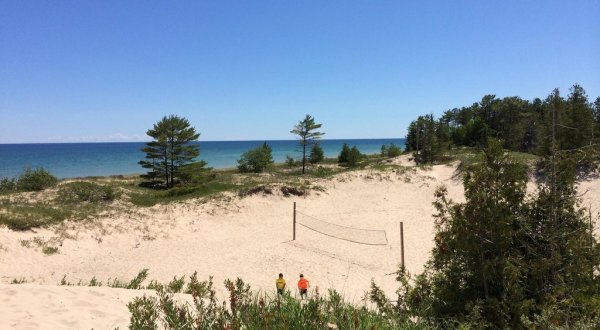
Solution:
(307, 134)
(316, 154)
(256, 160)
(171, 148)
(349, 156)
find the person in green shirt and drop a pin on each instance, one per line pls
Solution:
(280, 284)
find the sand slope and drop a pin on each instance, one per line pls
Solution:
(34, 306)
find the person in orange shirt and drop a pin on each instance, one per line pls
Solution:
(302, 286)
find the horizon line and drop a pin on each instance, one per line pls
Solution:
(252, 140)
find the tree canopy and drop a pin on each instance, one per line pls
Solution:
(521, 125)
(170, 149)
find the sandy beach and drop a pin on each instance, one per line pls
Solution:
(230, 237)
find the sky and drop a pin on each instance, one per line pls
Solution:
(103, 71)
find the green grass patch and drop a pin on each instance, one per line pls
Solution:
(87, 191)
(17, 216)
(151, 197)
(49, 250)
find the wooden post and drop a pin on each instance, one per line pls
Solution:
(591, 229)
(402, 243)
(294, 236)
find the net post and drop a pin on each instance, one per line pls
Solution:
(402, 244)
(294, 232)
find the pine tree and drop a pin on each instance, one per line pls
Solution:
(307, 134)
(171, 148)
(316, 154)
(503, 260)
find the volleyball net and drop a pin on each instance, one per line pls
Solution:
(346, 233)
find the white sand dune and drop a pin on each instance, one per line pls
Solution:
(34, 306)
(248, 238)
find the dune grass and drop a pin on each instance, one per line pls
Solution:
(244, 308)
(70, 201)
(86, 198)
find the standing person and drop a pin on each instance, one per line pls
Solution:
(302, 286)
(280, 284)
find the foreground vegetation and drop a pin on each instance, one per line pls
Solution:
(504, 259)
(244, 309)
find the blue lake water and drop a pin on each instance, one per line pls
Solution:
(69, 160)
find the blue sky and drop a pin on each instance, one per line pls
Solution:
(73, 71)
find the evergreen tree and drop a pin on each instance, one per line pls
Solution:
(344, 154)
(307, 134)
(522, 125)
(383, 150)
(171, 148)
(422, 138)
(316, 154)
(151, 161)
(502, 260)
(349, 156)
(597, 110)
(580, 120)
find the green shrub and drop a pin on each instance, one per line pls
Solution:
(144, 313)
(8, 184)
(49, 250)
(290, 161)
(176, 285)
(84, 191)
(248, 310)
(256, 160)
(36, 180)
(25, 217)
(390, 151)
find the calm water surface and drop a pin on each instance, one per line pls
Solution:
(69, 160)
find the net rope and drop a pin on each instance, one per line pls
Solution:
(350, 234)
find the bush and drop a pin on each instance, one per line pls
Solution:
(290, 161)
(36, 180)
(349, 156)
(196, 173)
(316, 154)
(390, 151)
(249, 310)
(8, 184)
(256, 160)
(83, 191)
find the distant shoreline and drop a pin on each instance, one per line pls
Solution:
(102, 159)
(199, 141)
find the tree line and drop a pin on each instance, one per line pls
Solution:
(521, 125)
(170, 155)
